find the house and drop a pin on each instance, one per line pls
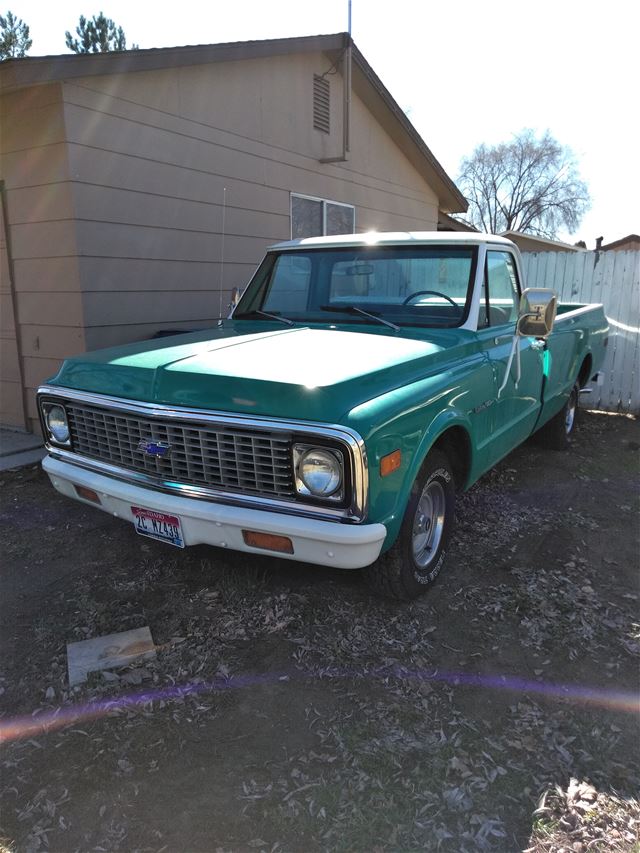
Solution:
(625, 244)
(452, 223)
(140, 187)
(533, 243)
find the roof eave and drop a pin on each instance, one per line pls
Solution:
(28, 71)
(31, 70)
(543, 240)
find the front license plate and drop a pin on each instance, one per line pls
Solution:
(158, 525)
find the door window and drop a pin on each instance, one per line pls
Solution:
(500, 292)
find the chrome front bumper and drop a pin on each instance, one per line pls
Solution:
(324, 543)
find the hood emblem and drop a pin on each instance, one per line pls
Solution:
(159, 449)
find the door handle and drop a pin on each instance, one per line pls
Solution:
(502, 338)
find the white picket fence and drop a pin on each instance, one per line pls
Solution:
(612, 278)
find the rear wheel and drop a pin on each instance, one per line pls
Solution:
(414, 561)
(555, 434)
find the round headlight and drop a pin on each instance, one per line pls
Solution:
(321, 472)
(57, 423)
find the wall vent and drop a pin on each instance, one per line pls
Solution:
(321, 104)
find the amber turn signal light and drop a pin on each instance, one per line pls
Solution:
(268, 541)
(390, 463)
(87, 494)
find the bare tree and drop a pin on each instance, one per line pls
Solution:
(99, 35)
(527, 184)
(14, 37)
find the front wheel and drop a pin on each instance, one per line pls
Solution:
(555, 434)
(415, 559)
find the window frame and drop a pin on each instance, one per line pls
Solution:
(487, 303)
(324, 202)
(259, 286)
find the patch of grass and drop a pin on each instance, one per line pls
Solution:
(582, 818)
(544, 827)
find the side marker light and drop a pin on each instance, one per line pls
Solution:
(390, 463)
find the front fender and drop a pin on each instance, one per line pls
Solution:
(443, 421)
(413, 433)
(438, 426)
(411, 419)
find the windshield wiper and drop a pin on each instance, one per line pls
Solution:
(284, 320)
(353, 309)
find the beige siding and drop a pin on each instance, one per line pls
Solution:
(11, 402)
(127, 192)
(57, 342)
(157, 274)
(99, 337)
(11, 410)
(52, 239)
(34, 166)
(31, 204)
(159, 159)
(47, 275)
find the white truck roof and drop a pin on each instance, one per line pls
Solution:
(394, 238)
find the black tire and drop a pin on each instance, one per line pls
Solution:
(556, 433)
(407, 569)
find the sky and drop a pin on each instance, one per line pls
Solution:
(464, 72)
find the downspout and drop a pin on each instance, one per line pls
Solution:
(14, 303)
(346, 100)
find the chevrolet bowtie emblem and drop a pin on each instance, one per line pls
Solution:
(159, 449)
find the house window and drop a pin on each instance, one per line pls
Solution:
(316, 217)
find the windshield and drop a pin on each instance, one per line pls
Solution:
(402, 285)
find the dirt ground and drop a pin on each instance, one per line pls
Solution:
(288, 710)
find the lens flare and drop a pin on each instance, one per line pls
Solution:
(28, 726)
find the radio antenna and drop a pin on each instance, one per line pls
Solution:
(224, 222)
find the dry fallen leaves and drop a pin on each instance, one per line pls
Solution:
(580, 819)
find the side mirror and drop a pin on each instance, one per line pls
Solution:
(236, 293)
(537, 312)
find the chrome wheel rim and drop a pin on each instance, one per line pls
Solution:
(428, 524)
(570, 415)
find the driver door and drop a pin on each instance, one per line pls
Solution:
(515, 410)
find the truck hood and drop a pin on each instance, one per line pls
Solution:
(305, 373)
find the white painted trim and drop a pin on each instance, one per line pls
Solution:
(392, 238)
(471, 323)
(324, 543)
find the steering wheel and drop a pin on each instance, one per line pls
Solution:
(412, 296)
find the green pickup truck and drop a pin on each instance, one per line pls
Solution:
(360, 381)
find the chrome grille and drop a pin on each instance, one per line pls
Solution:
(213, 456)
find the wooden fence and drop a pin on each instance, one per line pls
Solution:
(612, 278)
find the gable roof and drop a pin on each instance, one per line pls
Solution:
(451, 223)
(29, 71)
(544, 242)
(631, 240)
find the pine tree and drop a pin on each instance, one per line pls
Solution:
(99, 35)
(14, 37)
